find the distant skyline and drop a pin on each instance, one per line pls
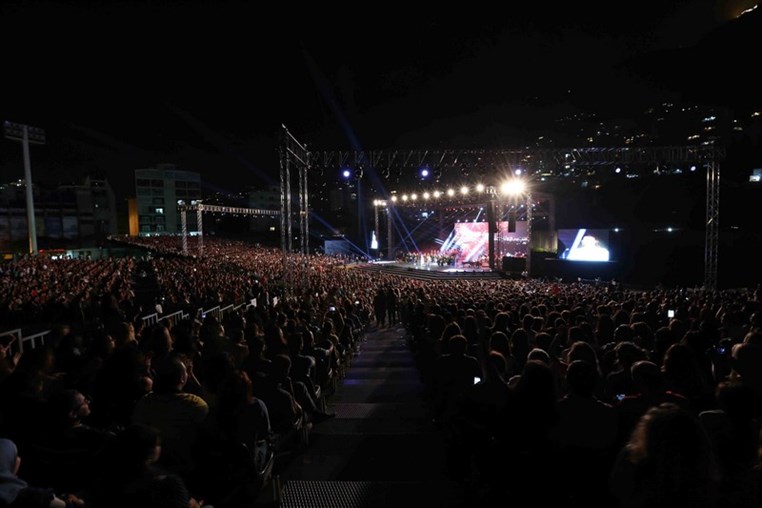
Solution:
(125, 85)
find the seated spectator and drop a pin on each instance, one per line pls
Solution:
(668, 463)
(684, 375)
(584, 421)
(620, 380)
(585, 434)
(15, 493)
(539, 355)
(234, 446)
(650, 391)
(285, 411)
(68, 410)
(134, 479)
(734, 429)
(175, 414)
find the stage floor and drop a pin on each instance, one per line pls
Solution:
(434, 267)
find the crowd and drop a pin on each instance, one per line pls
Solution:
(43, 290)
(641, 398)
(614, 397)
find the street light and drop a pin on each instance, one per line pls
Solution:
(35, 135)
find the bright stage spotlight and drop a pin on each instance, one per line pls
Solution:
(464, 190)
(394, 199)
(450, 192)
(404, 197)
(346, 173)
(424, 172)
(426, 195)
(414, 196)
(512, 187)
(480, 187)
(437, 194)
(518, 172)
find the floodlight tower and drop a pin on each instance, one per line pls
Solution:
(34, 135)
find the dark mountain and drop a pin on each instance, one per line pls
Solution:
(721, 68)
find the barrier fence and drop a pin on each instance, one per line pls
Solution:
(36, 340)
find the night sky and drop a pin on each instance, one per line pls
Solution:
(123, 85)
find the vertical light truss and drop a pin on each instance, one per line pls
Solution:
(284, 218)
(302, 190)
(184, 229)
(530, 213)
(499, 236)
(304, 212)
(293, 152)
(711, 243)
(289, 216)
(200, 229)
(491, 225)
(376, 227)
(389, 233)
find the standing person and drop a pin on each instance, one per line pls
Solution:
(379, 307)
(589, 249)
(392, 301)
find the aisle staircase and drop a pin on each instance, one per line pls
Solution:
(380, 450)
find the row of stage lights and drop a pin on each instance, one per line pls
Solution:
(513, 187)
(424, 173)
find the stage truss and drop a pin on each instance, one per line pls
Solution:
(542, 163)
(199, 208)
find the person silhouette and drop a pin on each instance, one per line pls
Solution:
(589, 249)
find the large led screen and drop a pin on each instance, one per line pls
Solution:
(469, 241)
(584, 244)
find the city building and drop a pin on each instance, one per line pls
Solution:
(157, 192)
(62, 213)
(267, 198)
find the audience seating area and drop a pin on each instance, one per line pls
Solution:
(166, 380)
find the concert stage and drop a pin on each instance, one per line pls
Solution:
(556, 268)
(430, 271)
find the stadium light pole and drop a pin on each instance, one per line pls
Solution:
(27, 134)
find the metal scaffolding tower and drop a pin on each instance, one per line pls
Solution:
(292, 152)
(712, 241)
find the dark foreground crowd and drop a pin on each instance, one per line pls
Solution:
(564, 393)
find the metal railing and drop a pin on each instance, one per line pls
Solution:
(38, 339)
(18, 342)
(22, 341)
(172, 319)
(31, 340)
